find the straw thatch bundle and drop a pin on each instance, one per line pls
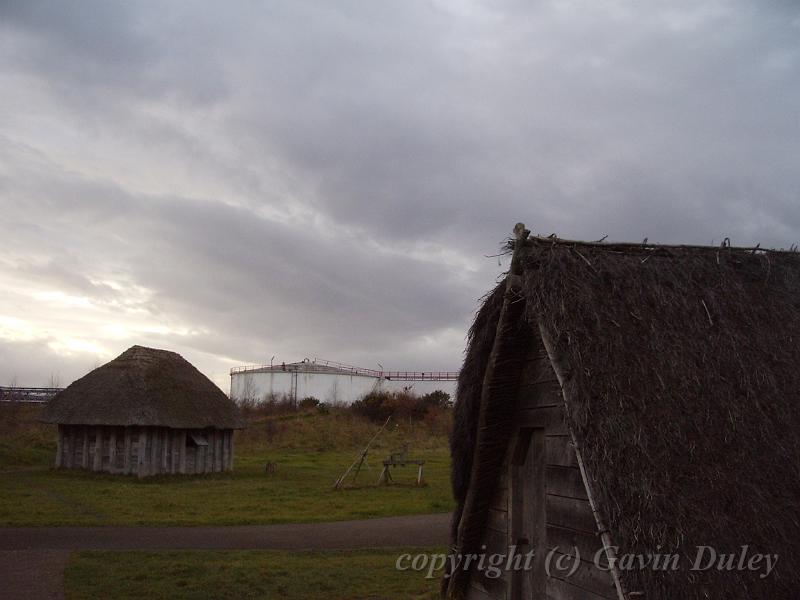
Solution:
(148, 387)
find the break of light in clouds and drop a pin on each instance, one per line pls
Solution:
(241, 180)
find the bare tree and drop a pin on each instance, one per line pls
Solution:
(10, 394)
(247, 390)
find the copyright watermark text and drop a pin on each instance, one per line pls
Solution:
(564, 562)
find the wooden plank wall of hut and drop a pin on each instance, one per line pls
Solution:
(143, 451)
(568, 521)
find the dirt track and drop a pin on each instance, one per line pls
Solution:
(32, 559)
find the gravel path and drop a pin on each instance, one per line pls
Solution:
(32, 559)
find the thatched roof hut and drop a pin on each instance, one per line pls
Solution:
(149, 399)
(625, 400)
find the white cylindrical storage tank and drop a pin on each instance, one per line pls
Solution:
(328, 382)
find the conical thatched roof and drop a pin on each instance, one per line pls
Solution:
(683, 397)
(144, 386)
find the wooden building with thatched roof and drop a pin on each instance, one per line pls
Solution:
(630, 400)
(146, 412)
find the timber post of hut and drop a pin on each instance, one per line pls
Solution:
(147, 412)
(630, 401)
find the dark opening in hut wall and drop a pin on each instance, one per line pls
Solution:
(144, 451)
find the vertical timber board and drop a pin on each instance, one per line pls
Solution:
(60, 447)
(515, 526)
(176, 451)
(218, 452)
(224, 449)
(85, 450)
(167, 451)
(527, 518)
(518, 528)
(233, 433)
(208, 467)
(74, 444)
(191, 458)
(166, 446)
(97, 462)
(65, 447)
(200, 459)
(229, 437)
(98, 449)
(112, 451)
(152, 435)
(163, 450)
(126, 459)
(165, 439)
(212, 450)
(536, 491)
(141, 453)
(148, 465)
(70, 439)
(173, 451)
(182, 450)
(155, 454)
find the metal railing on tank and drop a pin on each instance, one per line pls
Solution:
(343, 369)
(27, 394)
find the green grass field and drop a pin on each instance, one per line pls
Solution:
(311, 451)
(351, 575)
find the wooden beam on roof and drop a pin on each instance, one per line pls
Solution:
(561, 372)
(475, 510)
(626, 246)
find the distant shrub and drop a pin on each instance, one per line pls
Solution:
(374, 406)
(270, 404)
(378, 406)
(308, 402)
(437, 399)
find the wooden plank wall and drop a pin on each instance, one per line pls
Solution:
(143, 451)
(569, 522)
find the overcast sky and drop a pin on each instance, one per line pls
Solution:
(240, 180)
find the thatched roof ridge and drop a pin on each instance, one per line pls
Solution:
(685, 399)
(644, 247)
(144, 386)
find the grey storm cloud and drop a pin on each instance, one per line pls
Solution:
(240, 180)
